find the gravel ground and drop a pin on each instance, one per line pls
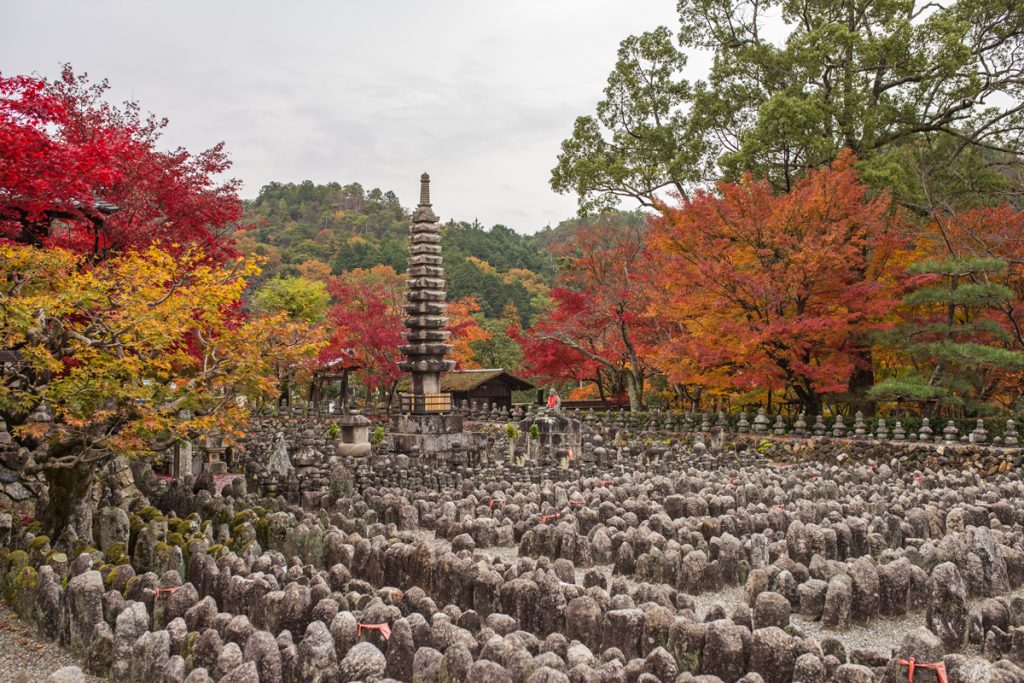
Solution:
(24, 658)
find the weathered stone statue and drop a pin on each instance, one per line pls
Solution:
(279, 463)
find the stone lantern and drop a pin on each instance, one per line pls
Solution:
(354, 437)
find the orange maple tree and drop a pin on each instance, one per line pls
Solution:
(758, 290)
(465, 329)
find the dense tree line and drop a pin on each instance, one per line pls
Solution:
(835, 210)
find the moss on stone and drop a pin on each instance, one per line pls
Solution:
(17, 558)
(263, 532)
(687, 660)
(116, 551)
(148, 513)
(189, 644)
(56, 557)
(241, 518)
(39, 542)
(26, 580)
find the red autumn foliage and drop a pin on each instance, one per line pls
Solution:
(596, 328)
(367, 318)
(67, 155)
(773, 291)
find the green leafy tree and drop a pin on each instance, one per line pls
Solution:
(300, 298)
(498, 350)
(639, 141)
(873, 76)
(956, 348)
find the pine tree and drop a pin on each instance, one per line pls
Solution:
(955, 346)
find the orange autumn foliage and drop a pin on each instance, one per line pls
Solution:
(774, 291)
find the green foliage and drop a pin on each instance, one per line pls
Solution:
(499, 350)
(896, 82)
(954, 349)
(638, 142)
(511, 431)
(378, 435)
(957, 266)
(346, 227)
(333, 431)
(300, 298)
(535, 431)
(907, 388)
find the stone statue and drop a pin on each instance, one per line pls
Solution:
(278, 462)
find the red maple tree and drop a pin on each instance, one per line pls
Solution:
(596, 330)
(78, 172)
(367, 324)
(368, 319)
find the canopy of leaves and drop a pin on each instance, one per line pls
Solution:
(776, 291)
(78, 172)
(132, 353)
(596, 326)
(928, 95)
(300, 298)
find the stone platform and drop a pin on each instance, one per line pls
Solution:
(437, 437)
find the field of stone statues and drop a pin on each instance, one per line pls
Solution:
(648, 557)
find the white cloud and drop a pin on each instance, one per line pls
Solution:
(478, 93)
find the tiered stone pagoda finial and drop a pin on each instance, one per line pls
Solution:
(427, 347)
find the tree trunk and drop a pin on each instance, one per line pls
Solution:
(862, 379)
(810, 400)
(634, 392)
(70, 503)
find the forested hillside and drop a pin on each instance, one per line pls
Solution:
(346, 227)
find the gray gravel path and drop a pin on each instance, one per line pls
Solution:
(24, 657)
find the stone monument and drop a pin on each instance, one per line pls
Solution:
(427, 425)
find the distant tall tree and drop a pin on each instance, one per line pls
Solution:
(871, 76)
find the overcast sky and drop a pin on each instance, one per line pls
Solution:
(480, 93)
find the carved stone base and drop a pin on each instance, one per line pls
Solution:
(437, 437)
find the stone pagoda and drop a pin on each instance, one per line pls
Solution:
(426, 425)
(427, 348)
